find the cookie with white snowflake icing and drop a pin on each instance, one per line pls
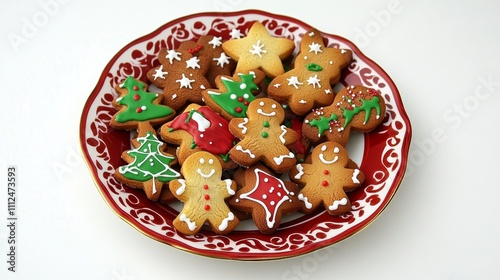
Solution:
(326, 179)
(210, 47)
(199, 128)
(181, 76)
(259, 50)
(266, 197)
(315, 69)
(263, 136)
(204, 194)
(355, 108)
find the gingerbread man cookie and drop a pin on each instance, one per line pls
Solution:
(204, 195)
(136, 105)
(263, 137)
(316, 68)
(265, 197)
(234, 94)
(327, 179)
(259, 50)
(148, 166)
(199, 128)
(210, 47)
(181, 75)
(355, 108)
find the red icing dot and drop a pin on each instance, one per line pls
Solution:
(240, 99)
(138, 110)
(207, 207)
(324, 183)
(207, 197)
(326, 172)
(238, 109)
(137, 97)
(205, 187)
(246, 103)
(136, 88)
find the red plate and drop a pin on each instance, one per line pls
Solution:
(383, 158)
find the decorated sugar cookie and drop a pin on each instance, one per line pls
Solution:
(266, 197)
(136, 105)
(204, 194)
(355, 108)
(181, 75)
(234, 94)
(259, 50)
(148, 166)
(199, 128)
(326, 179)
(263, 136)
(210, 47)
(316, 68)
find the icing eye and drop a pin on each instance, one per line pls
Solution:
(273, 106)
(232, 96)
(336, 150)
(202, 160)
(323, 148)
(261, 103)
(210, 161)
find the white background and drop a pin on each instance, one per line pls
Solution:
(444, 222)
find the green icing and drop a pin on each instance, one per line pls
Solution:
(139, 103)
(323, 123)
(149, 163)
(313, 67)
(238, 95)
(366, 106)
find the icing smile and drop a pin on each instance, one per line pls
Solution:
(212, 172)
(322, 156)
(266, 114)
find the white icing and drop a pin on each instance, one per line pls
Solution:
(193, 63)
(185, 82)
(182, 188)
(212, 172)
(222, 59)
(235, 34)
(294, 81)
(257, 49)
(216, 42)
(313, 80)
(228, 186)
(172, 54)
(311, 34)
(225, 222)
(159, 73)
(315, 47)
(300, 168)
(247, 151)
(277, 85)
(259, 111)
(302, 101)
(304, 198)
(282, 135)
(336, 203)
(279, 160)
(174, 96)
(201, 121)
(242, 126)
(191, 225)
(342, 51)
(322, 157)
(328, 91)
(354, 177)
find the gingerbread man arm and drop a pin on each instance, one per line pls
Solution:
(238, 127)
(288, 136)
(178, 188)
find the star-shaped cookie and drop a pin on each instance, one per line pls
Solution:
(259, 50)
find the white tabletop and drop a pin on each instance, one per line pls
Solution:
(443, 223)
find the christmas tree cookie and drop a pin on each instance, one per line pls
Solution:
(355, 108)
(136, 105)
(234, 94)
(308, 84)
(199, 128)
(148, 165)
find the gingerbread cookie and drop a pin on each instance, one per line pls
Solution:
(234, 94)
(316, 68)
(265, 197)
(355, 108)
(148, 165)
(181, 75)
(263, 137)
(259, 50)
(302, 146)
(210, 47)
(136, 105)
(199, 128)
(327, 179)
(204, 195)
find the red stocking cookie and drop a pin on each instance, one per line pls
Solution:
(181, 75)
(204, 194)
(263, 136)
(316, 67)
(356, 108)
(326, 179)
